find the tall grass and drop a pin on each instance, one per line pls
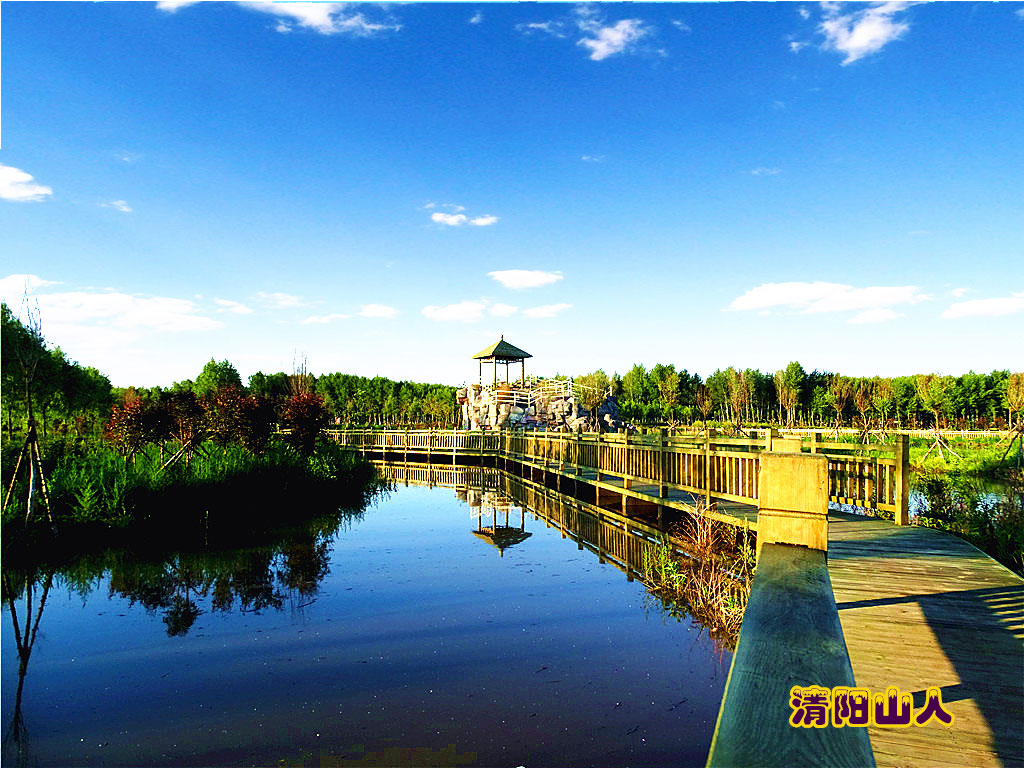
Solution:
(704, 566)
(222, 489)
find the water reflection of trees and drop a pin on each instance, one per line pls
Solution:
(185, 586)
(179, 587)
(25, 595)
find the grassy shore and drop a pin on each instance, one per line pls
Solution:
(98, 498)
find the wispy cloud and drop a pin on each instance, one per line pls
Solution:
(682, 26)
(464, 312)
(546, 311)
(476, 18)
(603, 39)
(593, 158)
(377, 310)
(324, 319)
(280, 300)
(455, 218)
(958, 293)
(13, 288)
(599, 37)
(997, 307)
(517, 279)
(796, 46)
(766, 172)
(871, 304)
(234, 307)
(553, 28)
(20, 187)
(862, 31)
(100, 309)
(325, 18)
(117, 205)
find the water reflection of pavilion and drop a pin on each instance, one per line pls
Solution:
(495, 504)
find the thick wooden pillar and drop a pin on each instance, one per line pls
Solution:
(793, 500)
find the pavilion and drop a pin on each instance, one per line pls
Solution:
(501, 352)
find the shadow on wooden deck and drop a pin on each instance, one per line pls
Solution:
(924, 608)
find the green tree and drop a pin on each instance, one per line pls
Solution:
(217, 375)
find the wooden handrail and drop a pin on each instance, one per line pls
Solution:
(873, 477)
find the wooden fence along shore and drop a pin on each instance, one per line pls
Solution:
(839, 600)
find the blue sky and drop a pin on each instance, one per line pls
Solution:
(384, 189)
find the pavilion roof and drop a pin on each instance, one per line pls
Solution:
(502, 350)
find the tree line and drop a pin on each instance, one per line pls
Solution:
(793, 397)
(71, 398)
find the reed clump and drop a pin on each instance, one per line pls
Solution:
(709, 568)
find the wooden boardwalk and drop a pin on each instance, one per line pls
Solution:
(922, 608)
(918, 608)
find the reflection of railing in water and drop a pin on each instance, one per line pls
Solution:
(614, 538)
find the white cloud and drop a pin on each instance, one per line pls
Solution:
(280, 300)
(822, 297)
(593, 158)
(117, 205)
(19, 187)
(14, 287)
(325, 18)
(861, 32)
(503, 310)
(457, 218)
(323, 319)
(998, 307)
(553, 28)
(606, 41)
(957, 293)
(517, 279)
(548, 310)
(377, 310)
(128, 157)
(796, 46)
(682, 26)
(234, 307)
(104, 310)
(1020, 13)
(463, 312)
(476, 18)
(450, 219)
(804, 13)
(766, 172)
(602, 39)
(172, 5)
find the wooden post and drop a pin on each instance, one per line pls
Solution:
(793, 500)
(815, 439)
(902, 516)
(707, 467)
(662, 458)
(598, 462)
(627, 480)
(770, 434)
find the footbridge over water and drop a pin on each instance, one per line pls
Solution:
(838, 600)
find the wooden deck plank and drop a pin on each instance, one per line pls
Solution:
(923, 608)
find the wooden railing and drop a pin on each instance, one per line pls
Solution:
(872, 477)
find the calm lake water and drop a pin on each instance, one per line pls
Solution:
(400, 636)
